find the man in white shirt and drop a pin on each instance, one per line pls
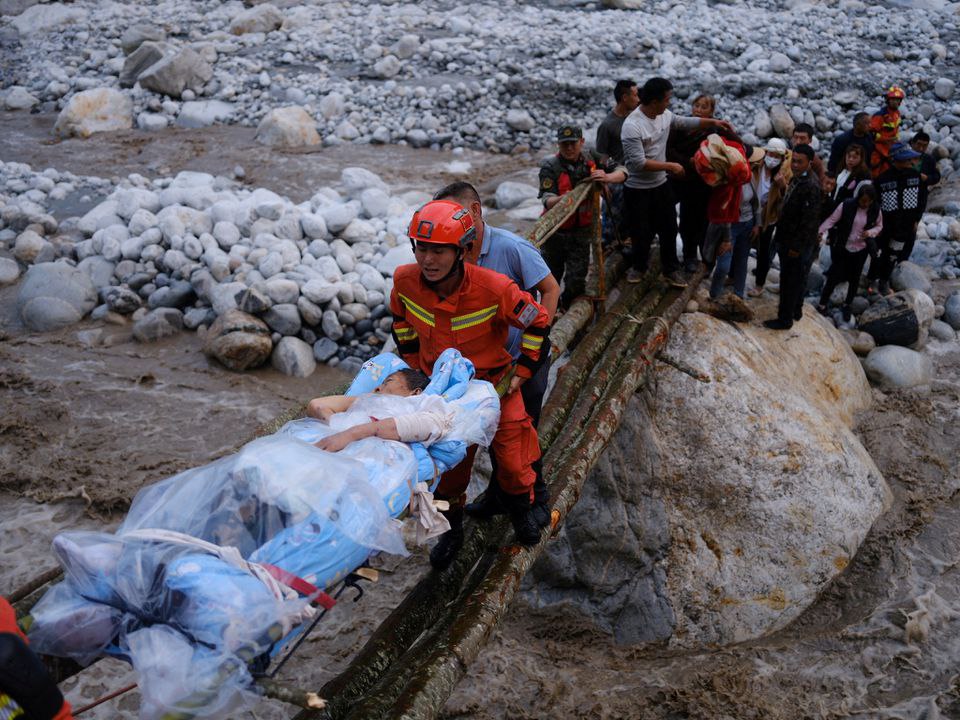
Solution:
(649, 205)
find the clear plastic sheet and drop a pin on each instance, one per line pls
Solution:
(181, 589)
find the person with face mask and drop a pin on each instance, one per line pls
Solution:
(771, 179)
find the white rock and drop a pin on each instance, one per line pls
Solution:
(92, 111)
(259, 19)
(9, 271)
(779, 62)
(29, 246)
(394, 257)
(19, 98)
(204, 113)
(359, 231)
(944, 88)
(520, 120)
(509, 194)
(292, 356)
(357, 179)
(314, 226)
(287, 127)
(337, 217)
(892, 366)
(53, 295)
(332, 105)
(175, 73)
(152, 121)
(223, 297)
(227, 234)
(387, 67)
(42, 18)
(282, 290)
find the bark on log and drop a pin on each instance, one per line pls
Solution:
(28, 587)
(446, 662)
(553, 218)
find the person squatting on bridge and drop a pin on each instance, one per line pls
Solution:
(441, 302)
(504, 252)
(567, 252)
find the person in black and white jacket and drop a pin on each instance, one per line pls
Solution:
(900, 201)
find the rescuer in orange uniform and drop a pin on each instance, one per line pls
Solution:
(885, 127)
(26, 690)
(441, 302)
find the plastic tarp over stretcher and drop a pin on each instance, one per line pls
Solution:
(183, 589)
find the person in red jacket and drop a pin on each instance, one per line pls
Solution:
(441, 302)
(26, 690)
(885, 127)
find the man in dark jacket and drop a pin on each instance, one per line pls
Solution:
(860, 134)
(796, 237)
(926, 165)
(900, 198)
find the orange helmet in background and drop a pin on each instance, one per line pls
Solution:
(895, 91)
(442, 222)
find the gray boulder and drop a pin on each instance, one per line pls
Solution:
(283, 318)
(135, 35)
(145, 56)
(53, 295)
(288, 127)
(175, 73)
(158, 324)
(178, 294)
(238, 341)
(509, 194)
(951, 311)
(123, 301)
(892, 366)
(99, 269)
(907, 276)
(292, 356)
(31, 247)
(520, 120)
(254, 302)
(9, 271)
(324, 349)
(93, 111)
(941, 331)
(781, 119)
(900, 319)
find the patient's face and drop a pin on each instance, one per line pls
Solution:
(395, 384)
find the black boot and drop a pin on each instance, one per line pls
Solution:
(450, 542)
(541, 496)
(522, 518)
(488, 505)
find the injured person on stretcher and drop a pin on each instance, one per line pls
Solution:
(216, 569)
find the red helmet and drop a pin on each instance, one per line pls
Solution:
(895, 91)
(442, 222)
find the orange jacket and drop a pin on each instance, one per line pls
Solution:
(474, 320)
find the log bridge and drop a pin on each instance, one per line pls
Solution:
(415, 658)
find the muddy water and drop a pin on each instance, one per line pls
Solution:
(83, 426)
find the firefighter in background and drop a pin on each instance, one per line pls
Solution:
(885, 128)
(567, 252)
(442, 302)
(26, 690)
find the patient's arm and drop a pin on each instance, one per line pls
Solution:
(384, 429)
(322, 408)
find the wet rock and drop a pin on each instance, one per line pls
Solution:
(292, 356)
(175, 73)
(123, 301)
(260, 19)
(93, 111)
(158, 324)
(287, 127)
(9, 271)
(238, 341)
(907, 276)
(683, 538)
(324, 349)
(891, 366)
(135, 35)
(53, 295)
(283, 318)
(510, 194)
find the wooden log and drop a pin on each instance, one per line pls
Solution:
(35, 584)
(553, 218)
(444, 662)
(290, 694)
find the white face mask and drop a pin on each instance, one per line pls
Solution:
(772, 162)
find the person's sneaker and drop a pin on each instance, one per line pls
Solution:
(444, 552)
(541, 514)
(634, 275)
(525, 526)
(486, 507)
(675, 279)
(777, 324)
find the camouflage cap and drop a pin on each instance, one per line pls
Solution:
(568, 132)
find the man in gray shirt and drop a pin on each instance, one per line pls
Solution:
(649, 205)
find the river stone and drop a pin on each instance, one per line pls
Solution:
(287, 127)
(338, 217)
(145, 56)
(330, 324)
(282, 290)
(314, 227)
(9, 271)
(19, 98)
(135, 35)
(223, 297)
(394, 258)
(319, 291)
(357, 179)
(173, 74)
(204, 113)
(941, 331)
(311, 313)
(238, 341)
(892, 366)
(178, 294)
(944, 88)
(98, 269)
(779, 62)
(158, 324)
(283, 318)
(387, 66)
(93, 111)
(54, 281)
(781, 120)
(510, 194)
(292, 356)
(123, 301)
(907, 276)
(324, 349)
(722, 510)
(254, 302)
(900, 319)
(762, 127)
(860, 342)
(45, 17)
(30, 246)
(520, 120)
(260, 19)
(226, 234)
(951, 310)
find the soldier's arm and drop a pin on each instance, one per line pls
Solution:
(404, 334)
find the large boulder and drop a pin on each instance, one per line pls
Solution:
(174, 73)
(93, 111)
(721, 510)
(158, 324)
(951, 312)
(46, 17)
(288, 127)
(900, 319)
(238, 341)
(260, 19)
(781, 120)
(203, 113)
(145, 56)
(54, 295)
(510, 194)
(292, 356)
(907, 276)
(891, 366)
(135, 35)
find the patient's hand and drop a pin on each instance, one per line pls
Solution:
(337, 441)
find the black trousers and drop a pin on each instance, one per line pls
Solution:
(693, 196)
(844, 267)
(766, 249)
(793, 284)
(894, 248)
(647, 213)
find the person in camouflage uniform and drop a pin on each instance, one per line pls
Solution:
(567, 252)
